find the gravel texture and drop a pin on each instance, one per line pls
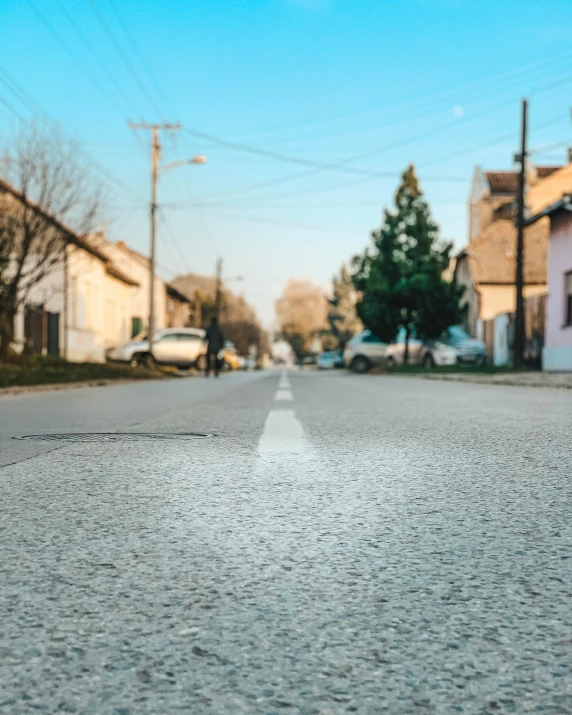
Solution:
(415, 558)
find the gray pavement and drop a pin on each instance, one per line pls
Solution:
(360, 544)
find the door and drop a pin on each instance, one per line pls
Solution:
(165, 349)
(189, 347)
(53, 333)
(374, 348)
(34, 328)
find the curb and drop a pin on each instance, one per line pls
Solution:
(57, 386)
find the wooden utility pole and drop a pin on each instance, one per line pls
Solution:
(218, 294)
(155, 158)
(519, 332)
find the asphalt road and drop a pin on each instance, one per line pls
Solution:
(344, 544)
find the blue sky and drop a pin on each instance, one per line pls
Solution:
(365, 85)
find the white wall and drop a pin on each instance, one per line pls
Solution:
(99, 308)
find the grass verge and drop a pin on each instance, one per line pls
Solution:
(22, 371)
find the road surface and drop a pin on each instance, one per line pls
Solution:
(344, 544)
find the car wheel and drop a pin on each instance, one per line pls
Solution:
(149, 361)
(481, 361)
(201, 363)
(136, 360)
(360, 365)
(428, 361)
(390, 362)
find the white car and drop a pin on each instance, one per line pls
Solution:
(364, 351)
(452, 348)
(177, 347)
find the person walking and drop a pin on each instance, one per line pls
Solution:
(215, 343)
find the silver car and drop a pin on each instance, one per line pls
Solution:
(364, 351)
(177, 347)
(454, 347)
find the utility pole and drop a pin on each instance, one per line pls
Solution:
(155, 158)
(519, 332)
(218, 294)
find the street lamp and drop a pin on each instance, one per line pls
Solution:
(157, 172)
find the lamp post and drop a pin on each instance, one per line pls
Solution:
(156, 172)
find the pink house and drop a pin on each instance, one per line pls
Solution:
(557, 352)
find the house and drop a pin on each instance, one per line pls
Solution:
(171, 306)
(486, 267)
(557, 351)
(493, 194)
(81, 305)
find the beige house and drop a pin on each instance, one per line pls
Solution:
(486, 267)
(81, 306)
(171, 306)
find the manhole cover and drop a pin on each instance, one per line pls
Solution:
(114, 436)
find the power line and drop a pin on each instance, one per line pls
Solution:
(23, 96)
(137, 51)
(74, 57)
(341, 166)
(333, 166)
(121, 53)
(79, 32)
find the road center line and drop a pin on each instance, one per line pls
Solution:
(284, 395)
(283, 434)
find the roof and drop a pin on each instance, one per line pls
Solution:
(506, 182)
(492, 254)
(174, 293)
(84, 242)
(502, 182)
(116, 272)
(70, 234)
(565, 203)
(549, 190)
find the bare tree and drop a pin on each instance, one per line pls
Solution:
(302, 313)
(342, 316)
(49, 200)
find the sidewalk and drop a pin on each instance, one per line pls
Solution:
(561, 381)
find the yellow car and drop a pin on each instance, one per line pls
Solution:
(231, 359)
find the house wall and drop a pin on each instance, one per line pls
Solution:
(177, 312)
(48, 292)
(99, 308)
(557, 353)
(498, 299)
(138, 269)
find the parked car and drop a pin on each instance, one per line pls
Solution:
(454, 347)
(364, 351)
(327, 360)
(230, 357)
(469, 350)
(249, 363)
(177, 347)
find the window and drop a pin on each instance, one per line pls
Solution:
(168, 337)
(187, 336)
(371, 338)
(568, 296)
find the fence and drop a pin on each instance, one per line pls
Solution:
(498, 334)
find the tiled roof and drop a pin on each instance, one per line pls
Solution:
(502, 182)
(492, 254)
(506, 182)
(550, 190)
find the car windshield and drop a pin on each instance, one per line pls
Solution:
(457, 334)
